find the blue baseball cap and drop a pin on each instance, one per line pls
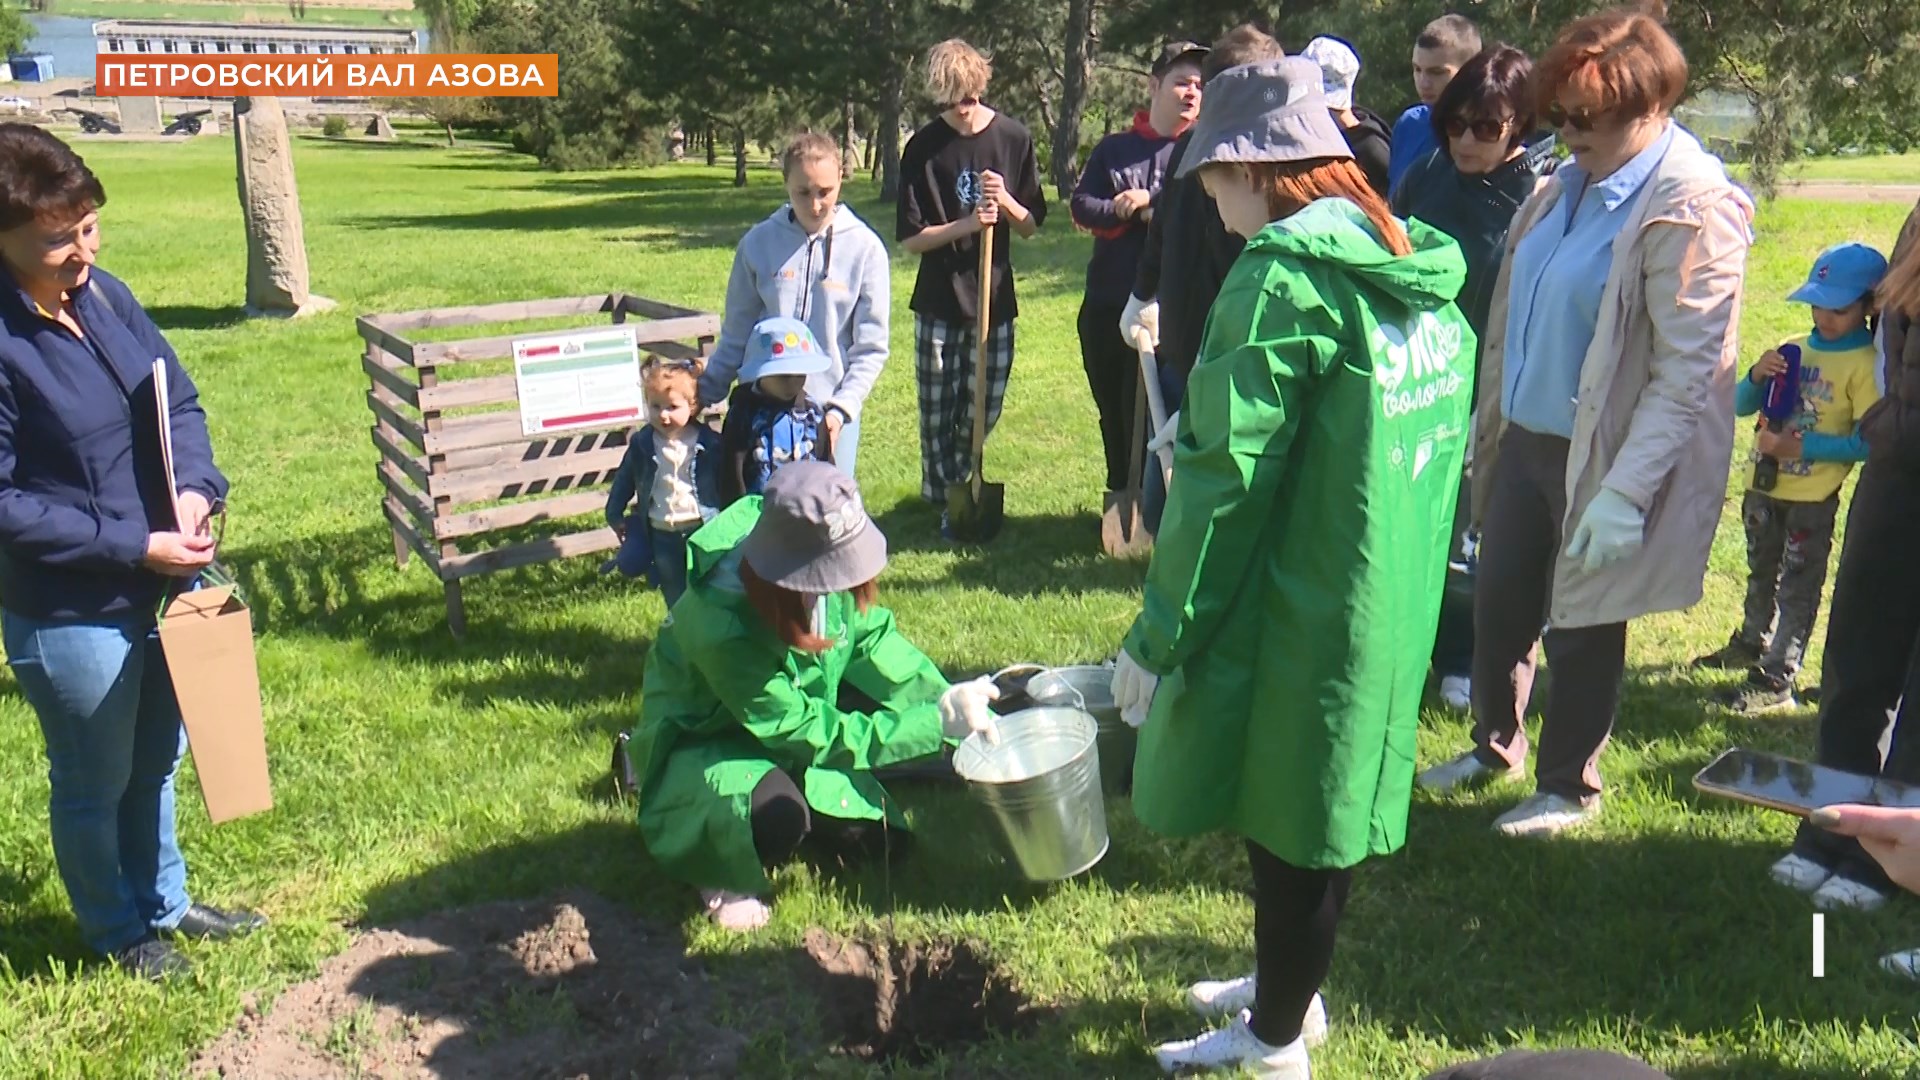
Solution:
(782, 346)
(1841, 276)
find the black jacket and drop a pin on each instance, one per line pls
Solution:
(1371, 141)
(1892, 426)
(1476, 211)
(1187, 257)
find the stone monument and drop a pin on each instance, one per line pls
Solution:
(380, 128)
(140, 115)
(270, 203)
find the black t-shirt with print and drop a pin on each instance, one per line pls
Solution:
(939, 184)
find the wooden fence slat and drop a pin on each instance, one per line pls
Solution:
(405, 462)
(536, 551)
(534, 450)
(397, 517)
(381, 338)
(509, 311)
(388, 374)
(495, 348)
(415, 503)
(527, 513)
(471, 432)
(651, 309)
(464, 393)
(387, 407)
(550, 474)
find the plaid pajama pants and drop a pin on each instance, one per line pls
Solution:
(943, 359)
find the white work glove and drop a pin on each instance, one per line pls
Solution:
(1133, 688)
(1611, 529)
(1141, 317)
(964, 709)
(1164, 437)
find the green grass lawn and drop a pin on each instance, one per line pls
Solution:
(413, 772)
(1869, 169)
(188, 10)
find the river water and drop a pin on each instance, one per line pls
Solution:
(70, 40)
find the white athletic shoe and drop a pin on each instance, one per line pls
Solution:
(1542, 814)
(1231, 997)
(1465, 771)
(735, 911)
(1235, 1047)
(1456, 693)
(1800, 874)
(1904, 964)
(1845, 894)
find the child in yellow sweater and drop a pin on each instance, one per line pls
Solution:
(1790, 525)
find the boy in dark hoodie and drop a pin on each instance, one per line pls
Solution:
(1366, 131)
(1115, 200)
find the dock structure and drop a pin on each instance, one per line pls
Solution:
(132, 37)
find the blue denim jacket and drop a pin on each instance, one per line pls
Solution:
(640, 466)
(81, 477)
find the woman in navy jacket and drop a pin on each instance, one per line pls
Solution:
(89, 549)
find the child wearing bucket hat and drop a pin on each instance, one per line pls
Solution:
(771, 421)
(1790, 524)
(1332, 387)
(749, 740)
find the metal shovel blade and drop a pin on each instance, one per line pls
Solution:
(975, 516)
(1123, 530)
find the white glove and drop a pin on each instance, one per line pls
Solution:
(1611, 529)
(1133, 688)
(1141, 317)
(1164, 437)
(964, 709)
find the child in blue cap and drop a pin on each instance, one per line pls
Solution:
(770, 420)
(1790, 526)
(673, 467)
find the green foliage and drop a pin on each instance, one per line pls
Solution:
(601, 116)
(334, 126)
(15, 30)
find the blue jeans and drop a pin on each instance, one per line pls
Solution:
(846, 448)
(658, 554)
(114, 738)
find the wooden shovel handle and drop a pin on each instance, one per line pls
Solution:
(980, 359)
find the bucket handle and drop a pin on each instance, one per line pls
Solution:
(1079, 699)
(1014, 669)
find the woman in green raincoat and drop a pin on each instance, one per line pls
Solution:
(1289, 612)
(743, 746)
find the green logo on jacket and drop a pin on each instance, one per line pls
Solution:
(1413, 363)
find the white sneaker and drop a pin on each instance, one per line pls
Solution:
(1465, 771)
(1232, 997)
(1456, 693)
(1845, 894)
(735, 911)
(1800, 874)
(1543, 815)
(1236, 1047)
(1904, 964)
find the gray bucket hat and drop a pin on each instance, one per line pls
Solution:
(1273, 110)
(814, 535)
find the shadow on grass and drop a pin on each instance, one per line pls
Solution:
(1034, 555)
(189, 317)
(35, 941)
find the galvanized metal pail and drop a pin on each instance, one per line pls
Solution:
(1042, 782)
(1089, 688)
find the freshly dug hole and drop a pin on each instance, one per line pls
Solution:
(906, 1002)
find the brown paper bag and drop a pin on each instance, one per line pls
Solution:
(207, 636)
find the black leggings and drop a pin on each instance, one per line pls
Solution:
(782, 820)
(1295, 914)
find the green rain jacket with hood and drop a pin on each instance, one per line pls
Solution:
(1291, 605)
(726, 702)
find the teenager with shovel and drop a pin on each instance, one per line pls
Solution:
(968, 181)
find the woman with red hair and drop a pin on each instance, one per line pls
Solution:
(1604, 432)
(750, 739)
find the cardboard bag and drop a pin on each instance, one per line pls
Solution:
(207, 636)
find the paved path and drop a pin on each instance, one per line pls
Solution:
(1839, 191)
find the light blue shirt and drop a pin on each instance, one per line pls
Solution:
(1559, 273)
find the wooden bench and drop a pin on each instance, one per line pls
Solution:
(455, 464)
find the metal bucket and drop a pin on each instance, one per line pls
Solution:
(1042, 781)
(1089, 688)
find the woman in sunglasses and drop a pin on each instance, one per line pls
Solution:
(1490, 161)
(1604, 438)
(90, 546)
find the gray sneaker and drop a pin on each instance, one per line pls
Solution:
(1465, 772)
(1542, 814)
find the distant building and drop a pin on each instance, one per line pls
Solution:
(136, 36)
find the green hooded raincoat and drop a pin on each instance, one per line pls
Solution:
(727, 702)
(1296, 581)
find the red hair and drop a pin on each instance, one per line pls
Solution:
(1291, 185)
(1625, 60)
(788, 612)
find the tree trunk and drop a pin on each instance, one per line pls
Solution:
(713, 150)
(892, 105)
(449, 127)
(740, 155)
(849, 157)
(872, 165)
(1078, 69)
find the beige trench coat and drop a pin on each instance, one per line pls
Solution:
(1655, 414)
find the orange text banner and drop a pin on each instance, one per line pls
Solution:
(307, 75)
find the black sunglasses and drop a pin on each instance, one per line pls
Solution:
(1583, 120)
(970, 99)
(1484, 130)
